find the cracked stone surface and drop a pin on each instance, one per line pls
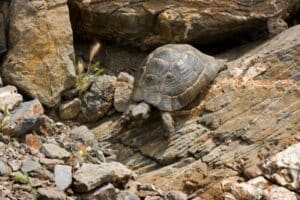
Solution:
(251, 112)
(148, 23)
(38, 61)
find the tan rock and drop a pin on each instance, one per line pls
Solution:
(9, 98)
(39, 59)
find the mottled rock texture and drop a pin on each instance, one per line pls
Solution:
(41, 46)
(250, 112)
(147, 23)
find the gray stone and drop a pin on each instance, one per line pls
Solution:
(70, 109)
(9, 98)
(99, 99)
(175, 195)
(54, 151)
(50, 193)
(107, 192)
(41, 45)
(91, 176)
(30, 165)
(63, 176)
(123, 92)
(23, 119)
(83, 134)
(127, 196)
(5, 170)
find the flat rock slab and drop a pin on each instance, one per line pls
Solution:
(30, 165)
(9, 98)
(54, 151)
(149, 23)
(23, 119)
(62, 176)
(91, 176)
(250, 113)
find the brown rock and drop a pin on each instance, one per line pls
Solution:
(33, 142)
(40, 40)
(151, 23)
(70, 109)
(123, 92)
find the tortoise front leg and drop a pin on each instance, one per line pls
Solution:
(169, 123)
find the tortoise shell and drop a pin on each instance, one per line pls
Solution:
(173, 75)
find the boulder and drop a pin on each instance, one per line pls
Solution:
(123, 92)
(152, 23)
(99, 99)
(23, 119)
(39, 59)
(91, 176)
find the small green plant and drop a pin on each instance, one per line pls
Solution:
(93, 69)
(35, 194)
(20, 177)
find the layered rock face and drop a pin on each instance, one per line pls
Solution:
(150, 23)
(41, 46)
(250, 113)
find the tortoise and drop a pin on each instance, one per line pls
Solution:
(171, 77)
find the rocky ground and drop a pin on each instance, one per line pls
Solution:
(63, 134)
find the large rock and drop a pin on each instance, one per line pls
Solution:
(151, 22)
(39, 59)
(91, 176)
(250, 112)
